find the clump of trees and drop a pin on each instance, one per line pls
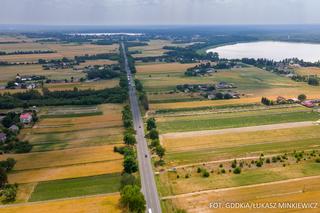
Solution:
(143, 98)
(132, 200)
(67, 97)
(105, 72)
(12, 143)
(267, 101)
(7, 191)
(155, 145)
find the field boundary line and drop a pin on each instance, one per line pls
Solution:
(238, 130)
(55, 200)
(238, 187)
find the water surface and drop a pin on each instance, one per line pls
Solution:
(271, 50)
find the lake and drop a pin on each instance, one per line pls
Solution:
(270, 50)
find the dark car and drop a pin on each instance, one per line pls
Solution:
(145, 156)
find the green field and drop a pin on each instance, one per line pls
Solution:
(196, 123)
(76, 187)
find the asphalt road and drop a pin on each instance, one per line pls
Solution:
(149, 188)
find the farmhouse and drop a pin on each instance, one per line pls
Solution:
(225, 85)
(26, 118)
(14, 129)
(3, 137)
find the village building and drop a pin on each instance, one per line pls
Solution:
(3, 137)
(14, 129)
(26, 118)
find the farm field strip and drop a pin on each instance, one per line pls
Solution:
(96, 203)
(211, 154)
(63, 157)
(166, 68)
(62, 50)
(231, 113)
(65, 172)
(295, 190)
(266, 174)
(198, 134)
(76, 187)
(189, 124)
(289, 181)
(8, 73)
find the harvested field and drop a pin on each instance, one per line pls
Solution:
(62, 50)
(308, 71)
(195, 104)
(72, 132)
(98, 62)
(101, 204)
(154, 48)
(179, 142)
(304, 190)
(63, 157)
(65, 172)
(266, 174)
(163, 68)
(9, 73)
(76, 187)
(97, 85)
(188, 150)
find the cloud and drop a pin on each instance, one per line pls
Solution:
(148, 12)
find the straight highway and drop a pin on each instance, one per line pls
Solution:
(149, 188)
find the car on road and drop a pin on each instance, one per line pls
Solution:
(145, 155)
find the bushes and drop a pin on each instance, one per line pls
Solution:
(127, 117)
(130, 164)
(8, 193)
(22, 147)
(237, 170)
(154, 134)
(132, 199)
(129, 139)
(151, 124)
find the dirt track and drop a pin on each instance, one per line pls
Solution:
(238, 130)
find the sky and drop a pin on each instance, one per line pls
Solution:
(159, 12)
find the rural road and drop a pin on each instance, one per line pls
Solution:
(148, 183)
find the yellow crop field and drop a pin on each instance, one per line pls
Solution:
(63, 157)
(154, 48)
(163, 68)
(8, 73)
(193, 104)
(29, 57)
(98, 85)
(304, 190)
(71, 50)
(97, 62)
(196, 142)
(25, 46)
(308, 71)
(62, 50)
(64, 172)
(100, 203)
